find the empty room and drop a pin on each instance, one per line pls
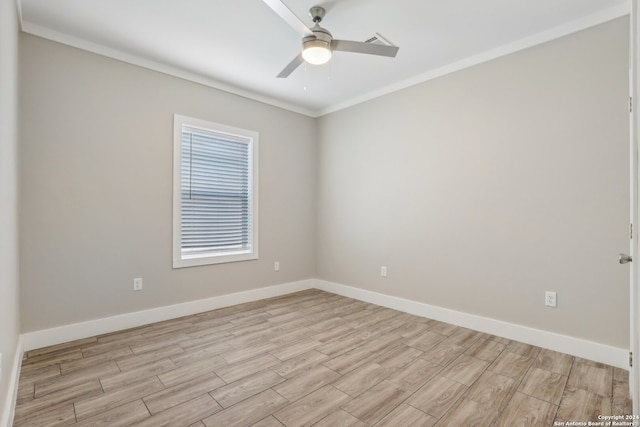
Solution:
(301, 213)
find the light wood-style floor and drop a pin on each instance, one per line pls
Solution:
(311, 358)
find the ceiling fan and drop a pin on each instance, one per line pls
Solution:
(317, 43)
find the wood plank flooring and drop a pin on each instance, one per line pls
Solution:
(311, 359)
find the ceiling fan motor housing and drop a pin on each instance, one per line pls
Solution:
(319, 33)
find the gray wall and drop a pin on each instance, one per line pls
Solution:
(9, 302)
(96, 181)
(484, 188)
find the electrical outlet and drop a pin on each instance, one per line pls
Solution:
(276, 266)
(383, 271)
(550, 299)
(137, 284)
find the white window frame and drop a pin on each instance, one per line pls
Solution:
(179, 260)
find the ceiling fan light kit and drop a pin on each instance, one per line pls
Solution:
(316, 52)
(318, 43)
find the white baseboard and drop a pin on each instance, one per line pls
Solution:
(66, 333)
(575, 346)
(8, 411)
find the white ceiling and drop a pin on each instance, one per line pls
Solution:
(241, 45)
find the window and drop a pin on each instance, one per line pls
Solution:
(215, 193)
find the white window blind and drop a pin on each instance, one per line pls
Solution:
(216, 195)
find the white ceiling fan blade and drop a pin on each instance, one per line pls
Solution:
(362, 47)
(291, 67)
(289, 17)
